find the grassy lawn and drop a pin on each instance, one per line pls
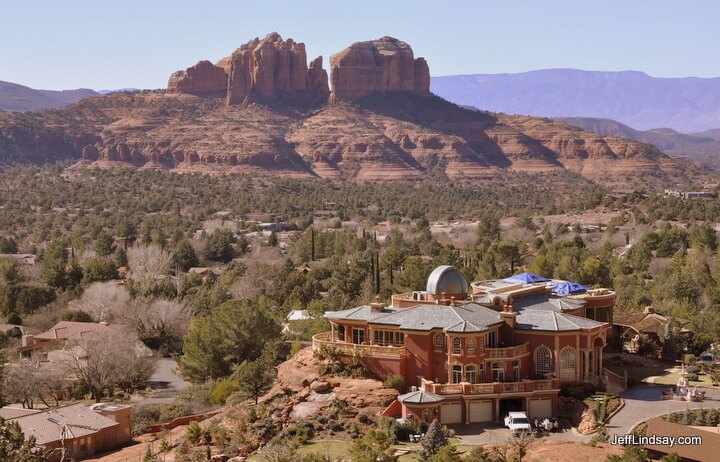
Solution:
(664, 374)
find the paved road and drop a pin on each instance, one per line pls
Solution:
(644, 402)
(165, 384)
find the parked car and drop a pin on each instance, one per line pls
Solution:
(518, 423)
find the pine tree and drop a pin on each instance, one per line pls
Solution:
(435, 439)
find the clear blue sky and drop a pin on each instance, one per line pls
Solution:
(57, 44)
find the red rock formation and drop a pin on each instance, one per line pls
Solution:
(382, 65)
(202, 79)
(271, 67)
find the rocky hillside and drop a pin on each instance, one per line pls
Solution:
(263, 110)
(701, 147)
(14, 97)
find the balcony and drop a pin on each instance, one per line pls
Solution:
(507, 352)
(368, 351)
(495, 388)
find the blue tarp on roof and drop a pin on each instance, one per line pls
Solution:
(568, 287)
(525, 278)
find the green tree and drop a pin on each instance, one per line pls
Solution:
(435, 439)
(54, 265)
(374, 446)
(14, 447)
(98, 270)
(184, 256)
(447, 453)
(8, 245)
(256, 376)
(236, 331)
(104, 244)
(220, 246)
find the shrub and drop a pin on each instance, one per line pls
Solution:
(689, 358)
(395, 381)
(693, 377)
(222, 391)
(693, 369)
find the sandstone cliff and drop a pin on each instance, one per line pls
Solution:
(267, 68)
(378, 66)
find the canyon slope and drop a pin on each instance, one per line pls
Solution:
(265, 110)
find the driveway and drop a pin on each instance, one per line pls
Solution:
(644, 402)
(164, 384)
(494, 433)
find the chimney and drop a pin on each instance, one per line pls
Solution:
(377, 305)
(508, 315)
(452, 301)
(649, 310)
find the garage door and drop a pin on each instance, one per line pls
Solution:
(540, 408)
(451, 413)
(481, 411)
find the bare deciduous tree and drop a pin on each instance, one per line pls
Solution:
(103, 362)
(160, 324)
(29, 381)
(102, 300)
(148, 263)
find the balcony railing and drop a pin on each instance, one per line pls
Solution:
(507, 352)
(489, 388)
(345, 348)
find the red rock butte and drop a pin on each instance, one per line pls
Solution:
(378, 66)
(271, 67)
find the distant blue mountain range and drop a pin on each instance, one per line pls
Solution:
(633, 98)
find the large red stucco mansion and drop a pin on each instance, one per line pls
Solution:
(473, 352)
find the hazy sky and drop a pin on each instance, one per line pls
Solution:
(57, 44)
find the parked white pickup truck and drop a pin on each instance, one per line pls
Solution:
(518, 423)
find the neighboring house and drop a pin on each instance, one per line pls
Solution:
(649, 323)
(296, 320)
(699, 443)
(205, 271)
(81, 430)
(474, 352)
(56, 336)
(24, 258)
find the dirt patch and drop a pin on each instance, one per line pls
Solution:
(570, 451)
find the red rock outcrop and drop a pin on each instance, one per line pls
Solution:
(202, 79)
(271, 67)
(378, 66)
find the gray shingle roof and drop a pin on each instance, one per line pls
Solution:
(469, 317)
(420, 397)
(553, 321)
(547, 302)
(359, 313)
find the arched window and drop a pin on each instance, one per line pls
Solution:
(498, 372)
(567, 364)
(438, 341)
(426, 415)
(457, 346)
(470, 373)
(456, 373)
(543, 361)
(470, 346)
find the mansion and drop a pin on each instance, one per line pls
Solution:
(474, 352)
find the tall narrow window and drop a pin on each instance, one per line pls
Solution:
(543, 361)
(341, 333)
(456, 373)
(399, 339)
(567, 364)
(470, 373)
(481, 374)
(438, 342)
(498, 372)
(379, 338)
(457, 346)
(490, 340)
(516, 371)
(358, 336)
(470, 346)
